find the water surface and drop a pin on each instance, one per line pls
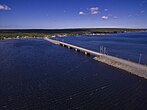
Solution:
(128, 46)
(35, 74)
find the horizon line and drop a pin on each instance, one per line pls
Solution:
(69, 28)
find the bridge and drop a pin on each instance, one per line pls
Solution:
(131, 67)
(76, 48)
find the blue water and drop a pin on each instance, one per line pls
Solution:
(38, 75)
(128, 46)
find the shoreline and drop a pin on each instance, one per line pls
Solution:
(128, 66)
(41, 33)
(60, 35)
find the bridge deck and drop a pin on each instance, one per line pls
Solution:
(75, 47)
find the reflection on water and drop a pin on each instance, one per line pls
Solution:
(35, 74)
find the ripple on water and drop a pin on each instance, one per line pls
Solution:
(46, 76)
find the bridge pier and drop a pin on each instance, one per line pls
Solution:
(60, 44)
(64, 45)
(69, 47)
(86, 53)
(77, 50)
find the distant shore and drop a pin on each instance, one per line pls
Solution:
(41, 33)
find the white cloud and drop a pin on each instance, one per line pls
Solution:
(105, 17)
(94, 10)
(91, 11)
(4, 7)
(81, 13)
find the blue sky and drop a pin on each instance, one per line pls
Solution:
(57, 14)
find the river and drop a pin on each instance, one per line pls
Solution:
(36, 74)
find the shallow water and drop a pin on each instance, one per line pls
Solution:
(35, 74)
